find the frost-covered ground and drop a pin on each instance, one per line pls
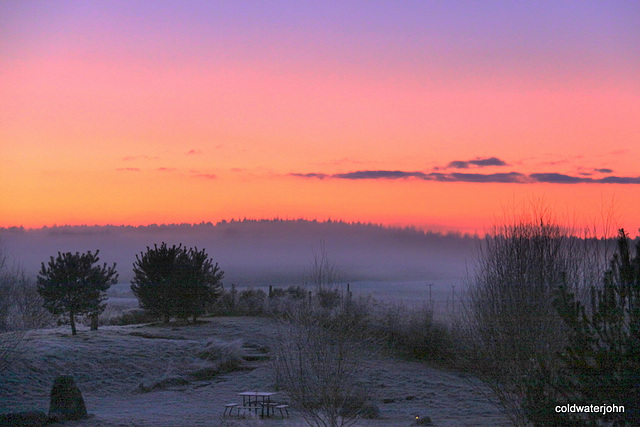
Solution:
(111, 364)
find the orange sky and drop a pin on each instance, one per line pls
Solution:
(114, 114)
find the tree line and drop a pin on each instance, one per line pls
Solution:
(169, 281)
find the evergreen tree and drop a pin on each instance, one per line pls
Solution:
(175, 281)
(601, 364)
(72, 285)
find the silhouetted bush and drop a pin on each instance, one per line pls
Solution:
(328, 298)
(256, 302)
(276, 293)
(176, 281)
(297, 292)
(252, 302)
(413, 332)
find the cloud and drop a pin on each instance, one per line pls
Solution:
(510, 177)
(163, 169)
(604, 170)
(128, 169)
(194, 152)
(478, 162)
(558, 178)
(505, 178)
(311, 175)
(619, 180)
(379, 174)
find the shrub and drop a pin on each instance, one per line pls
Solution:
(276, 293)
(601, 362)
(328, 298)
(72, 285)
(297, 292)
(20, 309)
(216, 350)
(510, 324)
(413, 332)
(227, 357)
(320, 364)
(251, 302)
(418, 335)
(510, 319)
(21, 306)
(176, 281)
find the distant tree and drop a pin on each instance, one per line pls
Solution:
(325, 277)
(324, 274)
(72, 285)
(175, 281)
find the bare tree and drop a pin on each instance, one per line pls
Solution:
(320, 364)
(325, 277)
(20, 309)
(509, 318)
(8, 340)
(324, 274)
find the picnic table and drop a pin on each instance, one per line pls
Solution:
(258, 400)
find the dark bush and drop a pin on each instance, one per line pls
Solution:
(277, 293)
(134, 316)
(328, 298)
(414, 332)
(176, 281)
(297, 292)
(251, 302)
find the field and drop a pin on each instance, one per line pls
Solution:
(141, 375)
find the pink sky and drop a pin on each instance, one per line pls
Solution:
(440, 115)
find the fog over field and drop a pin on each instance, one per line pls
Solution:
(264, 252)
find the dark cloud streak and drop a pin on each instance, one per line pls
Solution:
(505, 178)
(379, 174)
(481, 163)
(558, 178)
(310, 175)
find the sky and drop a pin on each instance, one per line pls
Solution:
(437, 114)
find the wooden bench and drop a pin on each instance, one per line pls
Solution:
(229, 407)
(280, 408)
